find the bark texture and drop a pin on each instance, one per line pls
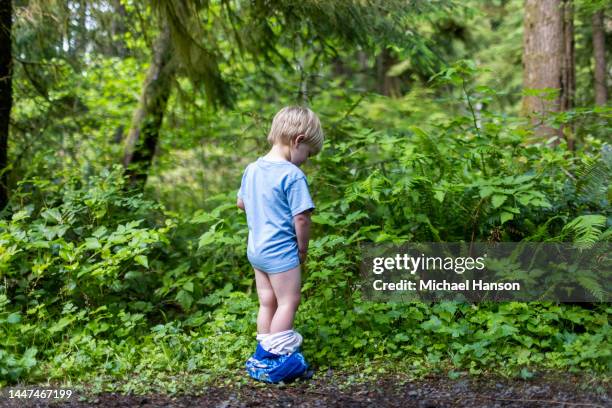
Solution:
(6, 94)
(387, 85)
(599, 52)
(147, 119)
(548, 60)
(568, 70)
(568, 67)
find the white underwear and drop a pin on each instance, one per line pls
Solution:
(285, 342)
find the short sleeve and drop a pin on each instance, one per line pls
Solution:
(298, 196)
(240, 194)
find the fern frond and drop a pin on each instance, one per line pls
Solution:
(585, 229)
(594, 177)
(606, 235)
(590, 283)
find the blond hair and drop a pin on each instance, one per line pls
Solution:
(292, 121)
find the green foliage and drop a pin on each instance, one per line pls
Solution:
(585, 229)
(99, 284)
(207, 35)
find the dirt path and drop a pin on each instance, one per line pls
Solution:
(391, 391)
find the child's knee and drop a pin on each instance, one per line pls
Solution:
(268, 300)
(292, 300)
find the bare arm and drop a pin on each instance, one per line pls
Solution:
(302, 230)
(240, 204)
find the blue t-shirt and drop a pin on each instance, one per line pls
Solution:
(273, 192)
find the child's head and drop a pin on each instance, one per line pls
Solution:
(294, 121)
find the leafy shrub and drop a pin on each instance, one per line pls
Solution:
(98, 283)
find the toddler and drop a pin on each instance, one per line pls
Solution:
(274, 194)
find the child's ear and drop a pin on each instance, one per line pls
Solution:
(299, 139)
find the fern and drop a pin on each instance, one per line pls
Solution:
(606, 235)
(593, 178)
(589, 282)
(585, 229)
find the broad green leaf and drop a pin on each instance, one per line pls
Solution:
(209, 236)
(184, 299)
(439, 195)
(486, 191)
(20, 215)
(28, 359)
(202, 217)
(61, 324)
(524, 198)
(52, 214)
(133, 275)
(142, 260)
(13, 318)
(506, 216)
(99, 232)
(92, 243)
(497, 200)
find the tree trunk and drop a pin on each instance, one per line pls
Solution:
(147, 119)
(118, 30)
(387, 85)
(568, 70)
(6, 94)
(547, 60)
(599, 52)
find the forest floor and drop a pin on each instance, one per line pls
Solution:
(331, 389)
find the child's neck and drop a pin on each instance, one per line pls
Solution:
(278, 152)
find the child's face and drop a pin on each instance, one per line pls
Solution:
(300, 151)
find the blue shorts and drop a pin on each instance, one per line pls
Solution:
(274, 271)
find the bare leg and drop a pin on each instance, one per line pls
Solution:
(267, 302)
(286, 287)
